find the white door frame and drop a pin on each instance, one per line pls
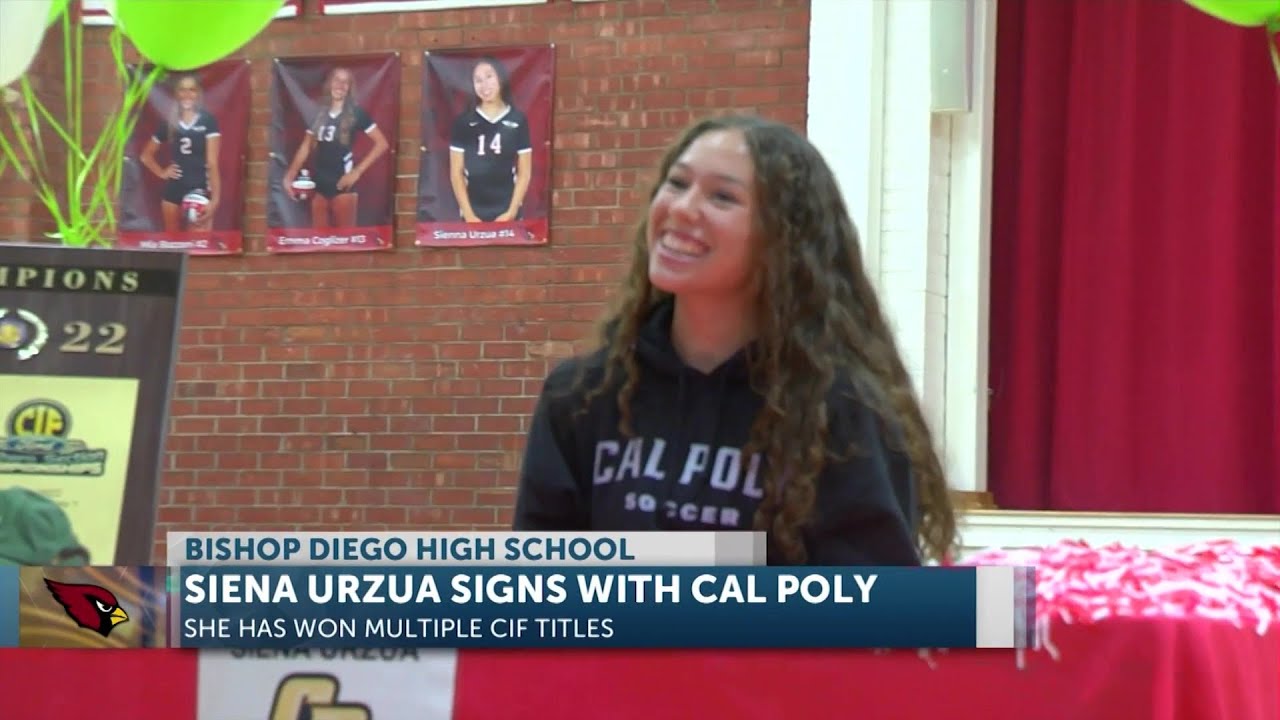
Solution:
(847, 70)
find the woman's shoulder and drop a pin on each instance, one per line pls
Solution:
(571, 376)
(851, 390)
(860, 409)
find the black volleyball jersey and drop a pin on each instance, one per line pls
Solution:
(489, 149)
(189, 147)
(334, 157)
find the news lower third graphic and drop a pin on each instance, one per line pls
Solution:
(657, 607)
(91, 607)
(405, 592)
(9, 592)
(736, 548)
(395, 549)
(568, 590)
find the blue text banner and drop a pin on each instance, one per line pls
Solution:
(281, 607)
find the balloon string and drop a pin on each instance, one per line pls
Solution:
(1273, 43)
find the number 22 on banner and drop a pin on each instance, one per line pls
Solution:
(80, 338)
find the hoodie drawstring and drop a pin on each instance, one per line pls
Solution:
(681, 434)
(679, 439)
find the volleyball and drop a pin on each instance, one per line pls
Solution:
(194, 205)
(304, 186)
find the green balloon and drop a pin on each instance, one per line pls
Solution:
(187, 34)
(56, 9)
(1249, 13)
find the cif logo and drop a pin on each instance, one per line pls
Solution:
(314, 695)
(39, 441)
(39, 418)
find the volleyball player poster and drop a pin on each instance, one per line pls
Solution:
(485, 170)
(331, 172)
(183, 182)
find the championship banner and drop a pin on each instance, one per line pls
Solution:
(94, 12)
(87, 347)
(361, 7)
(331, 184)
(183, 182)
(485, 169)
(346, 684)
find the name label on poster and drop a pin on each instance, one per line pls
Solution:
(195, 244)
(503, 234)
(327, 241)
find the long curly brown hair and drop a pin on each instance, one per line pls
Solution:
(819, 320)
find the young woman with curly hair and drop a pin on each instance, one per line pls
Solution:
(746, 377)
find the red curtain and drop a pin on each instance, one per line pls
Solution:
(1135, 267)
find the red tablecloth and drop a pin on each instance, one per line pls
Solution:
(1122, 669)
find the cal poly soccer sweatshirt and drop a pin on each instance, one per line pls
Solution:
(685, 468)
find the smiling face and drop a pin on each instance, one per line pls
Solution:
(339, 85)
(487, 86)
(701, 237)
(188, 93)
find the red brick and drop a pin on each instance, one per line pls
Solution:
(392, 390)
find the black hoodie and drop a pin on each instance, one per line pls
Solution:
(685, 469)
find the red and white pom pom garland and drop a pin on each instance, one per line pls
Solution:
(1219, 580)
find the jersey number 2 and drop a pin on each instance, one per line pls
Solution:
(184, 145)
(495, 144)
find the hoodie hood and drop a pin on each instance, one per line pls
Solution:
(656, 350)
(707, 409)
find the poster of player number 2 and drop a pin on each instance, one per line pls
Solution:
(183, 178)
(485, 172)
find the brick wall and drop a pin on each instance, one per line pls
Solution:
(390, 390)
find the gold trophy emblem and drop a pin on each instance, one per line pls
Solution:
(22, 331)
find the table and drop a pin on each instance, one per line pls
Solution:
(1123, 669)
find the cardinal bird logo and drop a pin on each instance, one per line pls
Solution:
(91, 607)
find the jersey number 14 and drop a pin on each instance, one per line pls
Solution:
(495, 145)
